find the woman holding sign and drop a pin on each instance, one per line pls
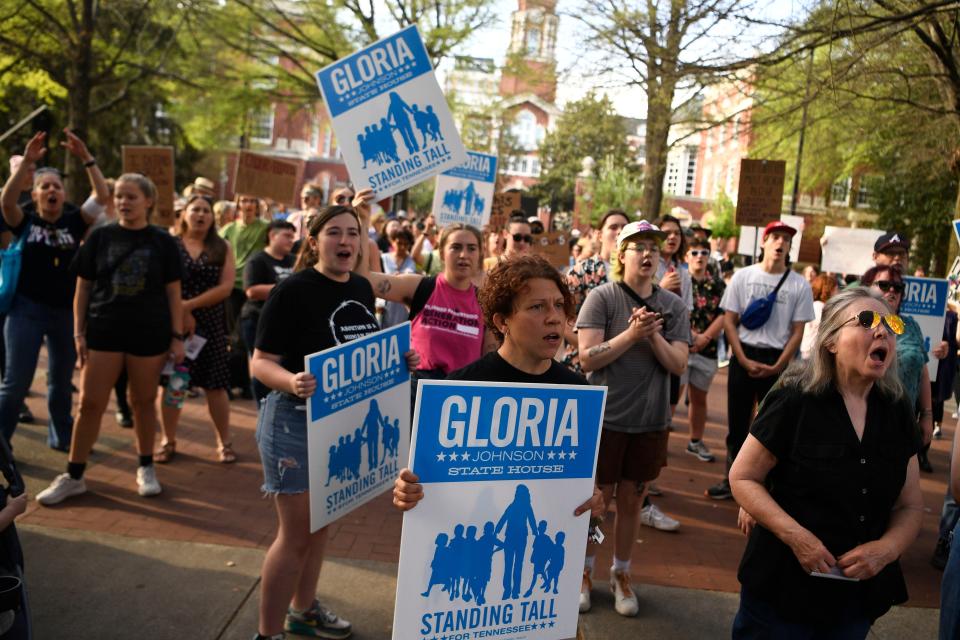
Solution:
(318, 307)
(829, 475)
(526, 304)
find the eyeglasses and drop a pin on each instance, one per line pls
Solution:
(696, 253)
(642, 248)
(520, 237)
(871, 319)
(887, 285)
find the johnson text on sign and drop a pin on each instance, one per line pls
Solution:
(465, 193)
(493, 549)
(358, 422)
(389, 114)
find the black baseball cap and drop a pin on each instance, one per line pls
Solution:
(891, 240)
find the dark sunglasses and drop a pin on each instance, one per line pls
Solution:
(887, 285)
(871, 319)
(696, 253)
(519, 237)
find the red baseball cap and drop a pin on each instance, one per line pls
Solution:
(778, 226)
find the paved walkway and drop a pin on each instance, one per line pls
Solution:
(207, 504)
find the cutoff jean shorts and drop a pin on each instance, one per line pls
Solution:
(282, 440)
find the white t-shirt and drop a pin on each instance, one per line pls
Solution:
(794, 304)
(810, 331)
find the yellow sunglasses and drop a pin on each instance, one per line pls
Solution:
(871, 319)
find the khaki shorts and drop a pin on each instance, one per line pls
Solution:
(631, 456)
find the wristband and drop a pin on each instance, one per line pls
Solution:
(92, 162)
(177, 336)
(79, 335)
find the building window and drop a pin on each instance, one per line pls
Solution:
(535, 166)
(840, 192)
(691, 171)
(533, 41)
(525, 130)
(261, 126)
(863, 192)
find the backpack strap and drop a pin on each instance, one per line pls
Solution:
(421, 295)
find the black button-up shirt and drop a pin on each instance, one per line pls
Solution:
(839, 487)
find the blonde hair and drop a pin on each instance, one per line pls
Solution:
(616, 265)
(146, 186)
(816, 374)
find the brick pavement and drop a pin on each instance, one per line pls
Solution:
(204, 501)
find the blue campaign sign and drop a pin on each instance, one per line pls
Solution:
(465, 193)
(956, 229)
(389, 114)
(925, 300)
(493, 549)
(497, 433)
(358, 421)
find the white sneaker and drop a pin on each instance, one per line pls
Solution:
(626, 601)
(937, 432)
(585, 588)
(62, 487)
(651, 516)
(147, 484)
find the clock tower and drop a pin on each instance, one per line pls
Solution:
(531, 59)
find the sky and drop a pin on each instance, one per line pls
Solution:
(576, 80)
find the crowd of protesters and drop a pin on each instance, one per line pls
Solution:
(830, 407)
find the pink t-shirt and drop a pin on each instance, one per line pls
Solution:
(448, 332)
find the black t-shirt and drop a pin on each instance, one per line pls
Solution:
(308, 312)
(263, 268)
(48, 252)
(840, 488)
(493, 368)
(130, 270)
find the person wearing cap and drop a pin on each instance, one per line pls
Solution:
(760, 354)
(891, 248)
(204, 186)
(633, 335)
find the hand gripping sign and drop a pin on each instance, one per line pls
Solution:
(493, 549)
(390, 115)
(358, 422)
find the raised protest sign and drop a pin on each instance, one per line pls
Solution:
(157, 164)
(846, 250)
(267, 177)
(389, 114)
(465, 193)
(760, 191)
(503, 204)
(493, 549)
(358, 421)
(554, 247)
(956, 229)
(798, 223)
(925, 300)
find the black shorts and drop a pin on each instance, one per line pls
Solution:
(137, 341)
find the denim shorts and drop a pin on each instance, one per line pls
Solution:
(282, 439)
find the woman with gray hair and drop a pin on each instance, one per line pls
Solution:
(829, 473)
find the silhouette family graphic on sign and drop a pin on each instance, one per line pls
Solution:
(466, 199)
(377, 143)
(376, 430)
(462, 566)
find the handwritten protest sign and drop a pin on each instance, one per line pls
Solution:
(848, 250)
(157, 164)
(503, 204)
(554, 247)
(268, 177)
(494, 549)
(389, 114)
(760, 191)
(465, 193)
(358, 422)
(925, 300)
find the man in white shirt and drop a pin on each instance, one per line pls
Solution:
(761, 353)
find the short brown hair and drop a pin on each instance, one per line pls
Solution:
(509, 278)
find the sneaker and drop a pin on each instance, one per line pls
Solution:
(651, 516)
(147, 484)
(62, 487)
(937, 431)
(653, 489)
(700, 450)
(25, 416)
(278, 636)
(317, 622)
(719, 491)
(124, 420)
(626, 601)
(585, 586)
(924, 462)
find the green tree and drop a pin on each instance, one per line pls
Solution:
(588, 127)
(618, 187)
(724, 224)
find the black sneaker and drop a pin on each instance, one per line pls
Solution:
(940, 554)
(719, 491)
(924, 462)
(25, 416)
(124, 420)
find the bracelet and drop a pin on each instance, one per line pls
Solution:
(91, 163)
(79, 335)
(926, 412)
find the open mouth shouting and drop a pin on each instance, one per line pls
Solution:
(878, 354)
(552, 339)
